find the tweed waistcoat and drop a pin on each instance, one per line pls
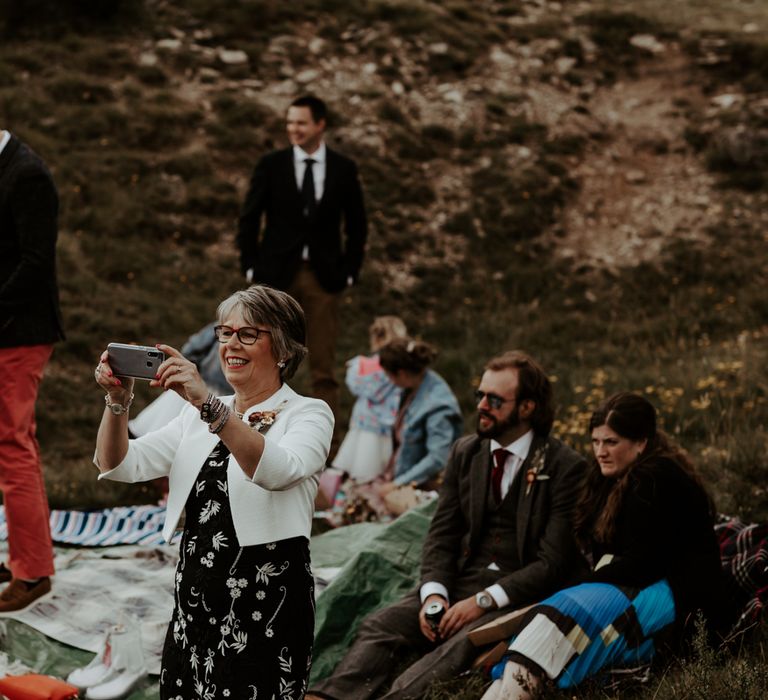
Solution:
(498, 540)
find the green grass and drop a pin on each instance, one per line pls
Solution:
(151, 181)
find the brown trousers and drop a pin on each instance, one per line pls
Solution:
(389, 635)
(322, 311)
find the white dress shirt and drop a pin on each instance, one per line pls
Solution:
(318, 175)
(318, 168)
(517, 451)
(5, 137)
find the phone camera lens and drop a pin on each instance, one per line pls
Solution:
(152, 354)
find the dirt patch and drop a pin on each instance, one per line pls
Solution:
(640, 182)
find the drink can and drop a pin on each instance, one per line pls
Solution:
(434, 613)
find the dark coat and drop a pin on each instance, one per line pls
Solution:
(665, 529)
(29, 205)
(275, 255)
(544, 520)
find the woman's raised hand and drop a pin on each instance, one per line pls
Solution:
(176, 372)
(119, 389)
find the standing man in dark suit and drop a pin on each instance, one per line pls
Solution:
(501, 538)
(30, 323)
(303, 193)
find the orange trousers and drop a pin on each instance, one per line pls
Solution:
(30, 548)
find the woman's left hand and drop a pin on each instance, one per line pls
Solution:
(176, 372)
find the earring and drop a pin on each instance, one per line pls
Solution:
(281, 364)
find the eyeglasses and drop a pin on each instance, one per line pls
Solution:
(246, 335)
(494, 400)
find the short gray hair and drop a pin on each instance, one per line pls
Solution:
(281, 313)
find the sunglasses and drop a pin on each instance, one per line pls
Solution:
(246, 335)
(494, 400)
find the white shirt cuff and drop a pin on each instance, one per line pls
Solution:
(499, 595)
(431, 588)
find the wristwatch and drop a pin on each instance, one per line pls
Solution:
(117, 408)
(484, 600)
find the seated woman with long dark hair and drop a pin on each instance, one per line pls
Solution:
(646, 521)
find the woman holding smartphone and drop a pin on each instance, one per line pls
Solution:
(244, 469)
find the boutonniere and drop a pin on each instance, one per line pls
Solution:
(261, 421)
(532, 474)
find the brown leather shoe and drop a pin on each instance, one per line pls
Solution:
(18, 595)
(5, 574)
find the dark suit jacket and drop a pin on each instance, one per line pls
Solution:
(29, 205)
(545, 543)
(275, 256)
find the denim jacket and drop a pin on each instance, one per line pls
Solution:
(432, 423)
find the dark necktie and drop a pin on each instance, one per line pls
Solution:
(499, 457)
(308, 188)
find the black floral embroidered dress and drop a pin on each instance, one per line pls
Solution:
(242, 623)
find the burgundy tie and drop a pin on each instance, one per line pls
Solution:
(499, 457)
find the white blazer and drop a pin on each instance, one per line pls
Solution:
(278, 502)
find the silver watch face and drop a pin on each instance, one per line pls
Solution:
(116, 409)
(484, 600)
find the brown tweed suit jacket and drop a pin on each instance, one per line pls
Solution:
(545, 545)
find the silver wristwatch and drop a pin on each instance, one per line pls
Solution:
(484, 600)
(117, 408)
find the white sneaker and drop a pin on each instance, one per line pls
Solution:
(117, 687)
(97, 671)
(93, 674)
(117, 668)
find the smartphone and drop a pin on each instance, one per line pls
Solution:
(137, 361)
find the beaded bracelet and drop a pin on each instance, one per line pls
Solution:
(215, 428)
(218, 412)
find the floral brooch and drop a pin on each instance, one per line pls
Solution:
(261, 421)
(532, 474)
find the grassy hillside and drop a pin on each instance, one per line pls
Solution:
(492, 138)
(152, 138)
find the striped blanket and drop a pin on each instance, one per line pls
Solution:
(579, 631)
(103, 528)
